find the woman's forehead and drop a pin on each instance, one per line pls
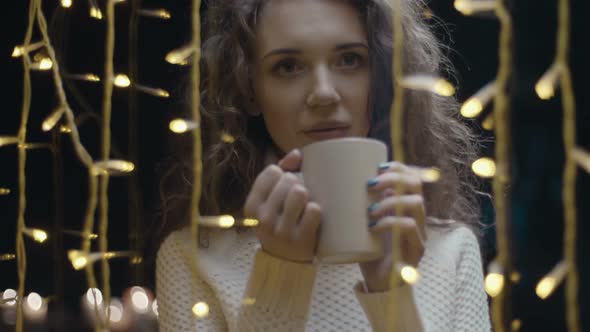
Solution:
(307, 23)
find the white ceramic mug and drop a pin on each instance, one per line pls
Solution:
(336, 172)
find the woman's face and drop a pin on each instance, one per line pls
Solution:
(311, 71)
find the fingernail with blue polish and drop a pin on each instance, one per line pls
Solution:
(383, 166)
(372, 182)
(373, 207)
(372, 223)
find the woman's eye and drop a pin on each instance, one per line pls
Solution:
(350, 60)
(286, 67)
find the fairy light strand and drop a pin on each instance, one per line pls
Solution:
(21, 257)
(569, 173)
(502, 176)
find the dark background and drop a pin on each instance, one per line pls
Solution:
(537, 152)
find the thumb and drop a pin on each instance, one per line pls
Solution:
(292, 161)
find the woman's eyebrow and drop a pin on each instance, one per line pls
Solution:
(291, 51)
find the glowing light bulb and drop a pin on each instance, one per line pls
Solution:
(180, 56)
(580, 156)
(180, 126)
(545, 287)
(428, 83)
(122, 81)
(92, 77)
(155, 307)
(488, 122)
(200, 309)
(515, 325)
(153, 91)
(115, 311)
(7, 257)
(471, 108)
(52, 119)
(494, 282)
(9, 297)
(158, 13)
(78, 259)
(113, 167)
(65, 129)
(444, 88)
(95, 13)
(484, 167)
(226, 221)
(249, 222)
(43, 64)
(429, 175)
(545, 87)
(66, 3)
(409, 274)
(469, 7)
(94, 296)
(4, 191)
(38, 235)
(139, 299)
(227, 138)
(34, 301)
(17, 51)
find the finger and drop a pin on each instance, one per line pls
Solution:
(310, 220)
(401, 183)
(392, 166)
(385, 224)
(401, 206)
(261, 189)
(278, 194)
(293, 208)
(292, 161)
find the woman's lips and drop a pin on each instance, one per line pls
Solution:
(328, 133)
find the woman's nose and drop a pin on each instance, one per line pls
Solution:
(323, 92)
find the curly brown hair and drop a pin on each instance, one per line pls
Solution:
(435, 136)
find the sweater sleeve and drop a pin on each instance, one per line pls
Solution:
(471, 306)
(277, 296)
(178, 290)
(377, 307)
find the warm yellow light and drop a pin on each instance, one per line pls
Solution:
(34, 301)
(515, 277)
(484, 167)
(155, 307)
(94, 296)
(66, 3)
(115, 311)
(113, 167)
(545, 287)
(443, 88)
(494, 282)
(201, 309)
(91, 77)
(65, 129)
(9, 296)
(122, 81)
(139, 299)
(249, 222)
(7, 257)
(469, 7)
(488, 122)
(581, 157)
(429, 175)
(96, 13)
(180, 126)
(52, 119)
(153, 91)
(78, 259)
(17, 51)
(545, 87)
(39, 235)
(180, 56)
(515, 325)
(44, 64)
(159, 13)
(8, 140)
(249, 301)
(227, 138)
(471, 108)
(409, 274)
(4, 191)
(136, 260)
(226, 221)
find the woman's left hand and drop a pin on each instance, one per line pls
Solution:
(410, 223)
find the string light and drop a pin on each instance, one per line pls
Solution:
(409, 274)
(115, 311)
(201, 309)
(52, 119)
(89, 77)
(494, 280)
(515, 276)
(428, 83)
(581, 157)
(249, 222)
(157, 13)
(227, 138)
(43, 64)
(34, 301)
(155, 308)
(66, 3)
(180, 126)
(224, 221)
(113, 167)
(545, 87)
(475, 104)
(90, 236)
(19, 50)
(80, 259)
(488, 122)
(7, 257)
(515, 325)
(8, 140)
(9, 297)
(180, 56)
(484, 167)
(36, 234)
(122, 81)
(65, 129)
(96, 13)
(547, 285)
(4, 191)
(470, 7)
(94, 297)
(140, 299)
(426, 174)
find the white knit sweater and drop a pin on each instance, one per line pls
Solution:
(248, 290)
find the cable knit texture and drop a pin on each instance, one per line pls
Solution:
(248, 290)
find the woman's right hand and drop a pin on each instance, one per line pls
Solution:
(289, 222)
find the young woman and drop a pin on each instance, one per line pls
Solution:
(278, 75)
